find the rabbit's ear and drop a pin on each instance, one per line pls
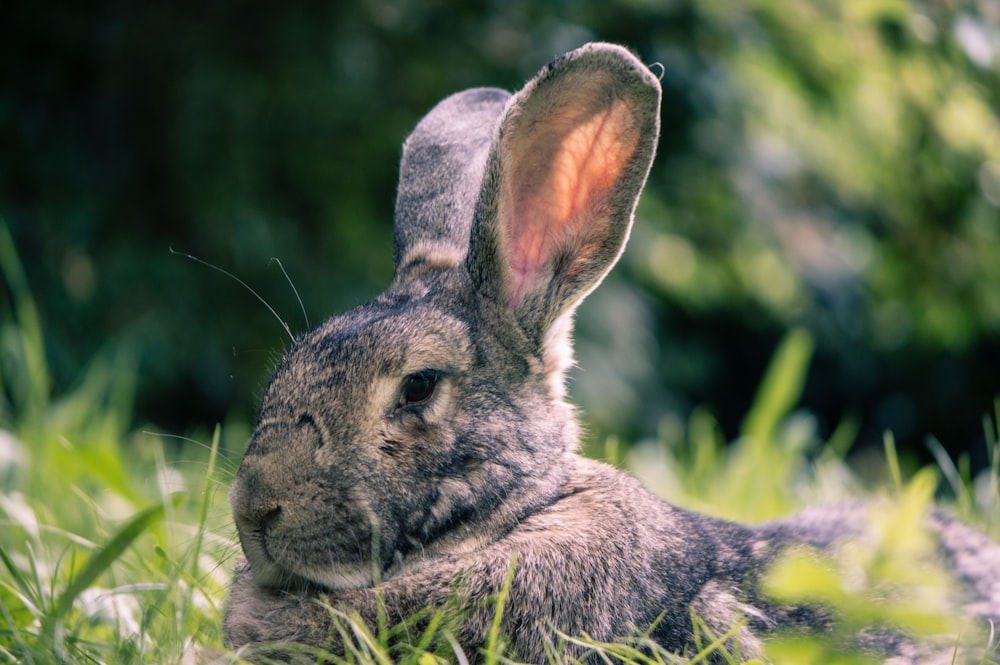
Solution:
(571, 155)
(439, 180)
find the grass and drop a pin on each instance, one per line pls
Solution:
(116, 548)
(109, 551)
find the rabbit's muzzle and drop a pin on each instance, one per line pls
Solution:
(299, 520)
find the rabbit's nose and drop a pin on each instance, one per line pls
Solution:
(279, 459)
(254, 502)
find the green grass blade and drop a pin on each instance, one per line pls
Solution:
(36, 579)
(35, 369)
(493, 639)
(206, 492)
(781, 388)
(844, 436)
(19, 578)
(951, 473)
(892, 461)
(23, 649)
(101, 561)
(437, 618)
(992, 431)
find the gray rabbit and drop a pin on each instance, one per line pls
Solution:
(421, 444)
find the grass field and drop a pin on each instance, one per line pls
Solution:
(116, 545)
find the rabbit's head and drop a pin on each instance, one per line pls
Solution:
(432, 419)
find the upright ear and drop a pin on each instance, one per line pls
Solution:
(571, 154)
(439, 180)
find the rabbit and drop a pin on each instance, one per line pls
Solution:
(419, 452)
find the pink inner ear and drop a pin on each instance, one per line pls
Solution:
(559, 186)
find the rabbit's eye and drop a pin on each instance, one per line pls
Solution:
(418, 387)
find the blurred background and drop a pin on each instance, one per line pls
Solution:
(830, 165)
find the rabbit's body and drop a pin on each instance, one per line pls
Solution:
(583, 563)
(423, 440)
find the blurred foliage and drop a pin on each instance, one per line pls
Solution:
(103, 555)
(827, 165)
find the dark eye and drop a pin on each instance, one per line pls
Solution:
(418, 387)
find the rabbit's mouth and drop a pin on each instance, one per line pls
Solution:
(273, 572)
(340, 576)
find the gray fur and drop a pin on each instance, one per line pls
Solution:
(442, 165)
(510, 210)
